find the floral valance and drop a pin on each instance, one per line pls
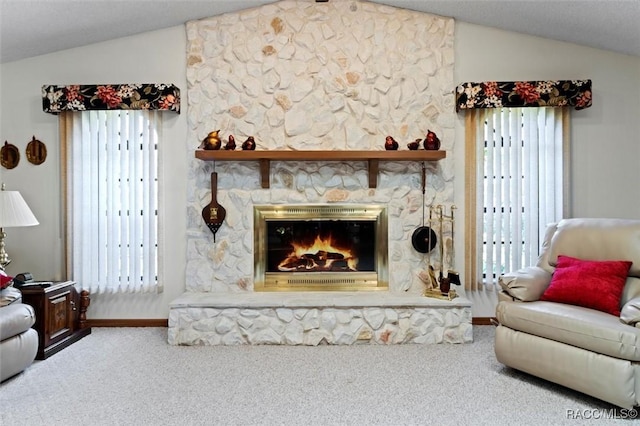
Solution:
(162, 97)
(498, 94)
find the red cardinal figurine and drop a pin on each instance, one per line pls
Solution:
(249, 144)
(431, 142)
(231, 145)
(414, 145)
(390, 144)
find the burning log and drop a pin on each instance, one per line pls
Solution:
(320, 261)
(321, 255)
(340, 265)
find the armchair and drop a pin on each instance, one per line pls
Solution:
(18, 341)
(574, 317)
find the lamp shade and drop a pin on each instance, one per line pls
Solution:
(14, 211)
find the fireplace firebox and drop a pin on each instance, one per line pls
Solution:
(320, 247)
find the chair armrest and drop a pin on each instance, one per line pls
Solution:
(630, 312)
(10, 295)
(503, 295)
(15, 319)
(526, 284)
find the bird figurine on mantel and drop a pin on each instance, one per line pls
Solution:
(249, 144)
(390, 144)
(413, 146)
(231, 144)
(212, 141)
(431, 142)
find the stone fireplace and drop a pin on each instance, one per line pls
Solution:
(301, 76)
(299, 247)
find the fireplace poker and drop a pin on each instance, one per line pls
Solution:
(424, 187)
(452, 274)
(439, 208)
(445, 284)
(432, 275)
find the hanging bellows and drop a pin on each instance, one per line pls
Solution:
(213, 213)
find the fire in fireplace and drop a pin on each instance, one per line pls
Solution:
(320, 247)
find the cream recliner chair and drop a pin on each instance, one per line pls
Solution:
(584, 349)
(18, 341)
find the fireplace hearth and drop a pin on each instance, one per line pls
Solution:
(320, 247)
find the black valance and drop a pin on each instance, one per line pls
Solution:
(156, 96)
(499, 94)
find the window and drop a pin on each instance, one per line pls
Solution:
(518, 160)
(111, 160)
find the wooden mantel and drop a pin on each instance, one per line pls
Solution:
(372, 157)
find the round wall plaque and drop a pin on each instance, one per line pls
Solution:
(36, 151)
(9, 155)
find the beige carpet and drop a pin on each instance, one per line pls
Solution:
(130, 376)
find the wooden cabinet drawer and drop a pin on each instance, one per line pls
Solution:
(58, 317)
(58, 313)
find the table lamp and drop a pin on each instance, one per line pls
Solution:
(14, 212)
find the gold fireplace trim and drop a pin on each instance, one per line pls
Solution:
(320, 281)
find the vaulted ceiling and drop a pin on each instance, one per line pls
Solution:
(32, 28)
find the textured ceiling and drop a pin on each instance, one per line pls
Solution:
(30, 28)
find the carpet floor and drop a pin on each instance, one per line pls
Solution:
(131, 376)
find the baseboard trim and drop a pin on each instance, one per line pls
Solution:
(482, 320)
(165, 322)
(161, 322)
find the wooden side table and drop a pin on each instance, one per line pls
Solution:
(60, 315)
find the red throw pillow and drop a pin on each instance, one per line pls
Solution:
(588, 283)
(5, 280)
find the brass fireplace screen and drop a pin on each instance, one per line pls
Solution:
(320, 248)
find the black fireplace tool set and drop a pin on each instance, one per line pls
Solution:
(425, 239)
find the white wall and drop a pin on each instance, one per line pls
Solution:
(157, 56)
(605, 141)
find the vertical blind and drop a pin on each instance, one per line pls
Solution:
(520, 173)
(112, 199)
